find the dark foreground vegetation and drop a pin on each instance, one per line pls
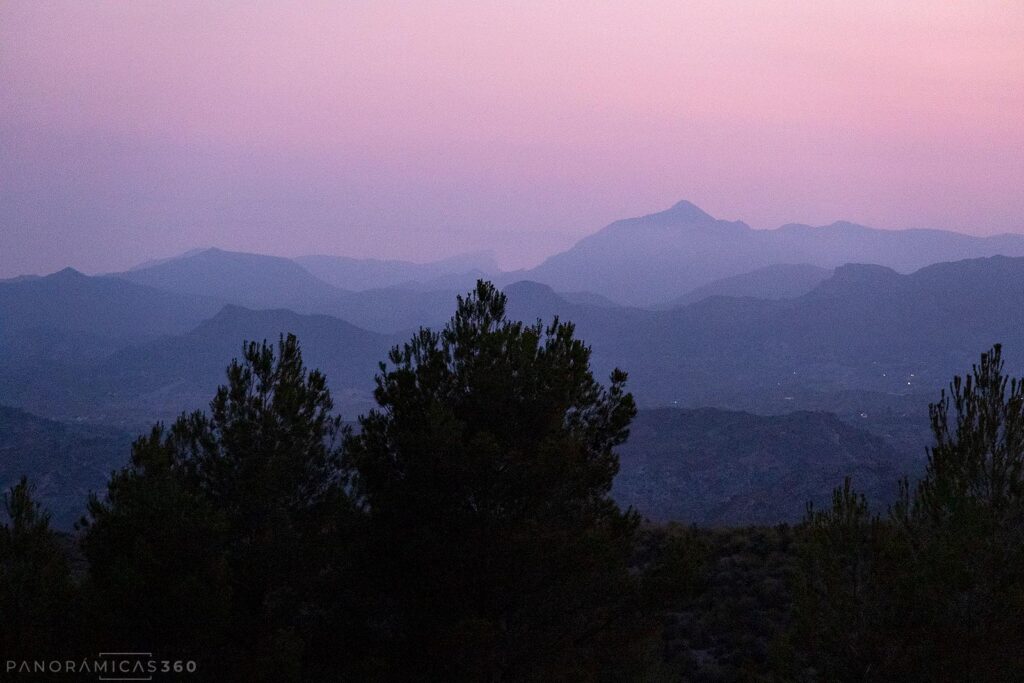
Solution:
(465, 531)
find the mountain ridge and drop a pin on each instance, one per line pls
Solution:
(661, 256)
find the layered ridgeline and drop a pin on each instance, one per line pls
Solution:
(864, 329)
(159, 378)
(108, 350)
(270, 282)
(864, 339)
(867, 343)
(656, 258)
(168, 375)
(65, 315)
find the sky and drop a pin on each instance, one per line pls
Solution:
(417, 130)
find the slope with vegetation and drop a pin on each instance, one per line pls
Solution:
(725, 468)
(64, 461)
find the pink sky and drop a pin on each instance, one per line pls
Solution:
(416, 130)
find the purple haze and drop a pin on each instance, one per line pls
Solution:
(136, 130)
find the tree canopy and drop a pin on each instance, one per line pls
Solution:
(936, 590)
(223, 534)
(485, 476)
(36, 591)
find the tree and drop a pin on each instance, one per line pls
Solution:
(36, 591)
(935, 592)
(227, 528)
(839, 583)
(485, 475)
(158, 576)
(963, 528)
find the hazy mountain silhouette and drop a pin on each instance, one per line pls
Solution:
(531, 301)
(361, 274)
(170, 374)
(73, 302)
(716, 467)
(248, 279)
(779, 281)
(869, 343)
(68, 316)
(157, 261)
(863, 336)
(655, 258)
(270, 282)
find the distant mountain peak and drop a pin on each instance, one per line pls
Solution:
(68, 274)
(688, 211)
(683, 214)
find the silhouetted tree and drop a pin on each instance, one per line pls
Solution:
(223, 537)
(158, 576)
(963, 530)
(937, 591)
(36, 591)
(485, 474)
(839, 588)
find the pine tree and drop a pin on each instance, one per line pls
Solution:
(485, 474)
(225, 535)
(942, 593)
(36, 591)
(963, 527)
(158, 578)
(838, 614)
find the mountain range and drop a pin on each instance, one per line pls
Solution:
(865, 328)
(652, 259)
(259, 281)
(803, 365)
(866, 340)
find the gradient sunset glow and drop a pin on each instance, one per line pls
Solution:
(417, 130)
